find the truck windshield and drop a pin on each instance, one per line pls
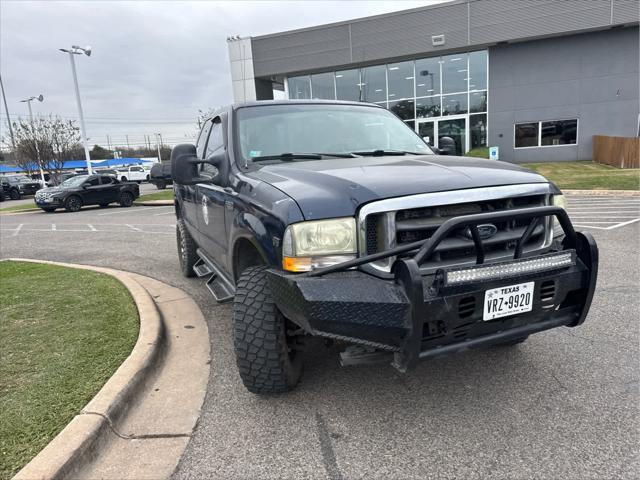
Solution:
(325, 129)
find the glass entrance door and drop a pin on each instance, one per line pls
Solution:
(449, 134)
(452, 136)
(426, 131)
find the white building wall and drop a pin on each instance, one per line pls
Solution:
(242, 75)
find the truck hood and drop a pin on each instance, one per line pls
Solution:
(337, 187)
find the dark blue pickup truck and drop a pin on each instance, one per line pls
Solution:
(335, 220)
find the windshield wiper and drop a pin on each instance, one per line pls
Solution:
(382, 153)
(337, 155)
(288, 157)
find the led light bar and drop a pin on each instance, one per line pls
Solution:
(525, 266)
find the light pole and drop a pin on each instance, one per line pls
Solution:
(28, 101)
(158, 140)
(4, 99)
(75, 50)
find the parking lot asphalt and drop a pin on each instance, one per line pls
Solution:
(564, 404)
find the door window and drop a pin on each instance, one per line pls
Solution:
(93, 181)
(106, 180)
(202, 139)
(215, 143)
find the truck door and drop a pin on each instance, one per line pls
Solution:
(187, 193)
(211, 199)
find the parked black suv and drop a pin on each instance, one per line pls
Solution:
(81, 190)
(336, 220)
(19, 185)
(160, 175)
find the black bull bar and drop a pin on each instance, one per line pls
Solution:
(390, 315)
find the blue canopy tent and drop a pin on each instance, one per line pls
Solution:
(9, 169)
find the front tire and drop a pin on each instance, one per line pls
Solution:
(123, 178)
(49, 209)
(73, 204)
(266, 356)
(126, 199)
(14, 195)
(161, 185)
(187, 250)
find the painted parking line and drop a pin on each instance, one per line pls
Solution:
(125, 210)
(25, 228)
(603, 213)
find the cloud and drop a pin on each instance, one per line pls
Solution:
(154, 64)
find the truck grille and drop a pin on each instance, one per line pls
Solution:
(388, 229)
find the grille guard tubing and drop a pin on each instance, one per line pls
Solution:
(407, 270)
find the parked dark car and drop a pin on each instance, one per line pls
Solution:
(335, 220)
(4, 190)
(82, 190)
(160, 175)
(20, 185)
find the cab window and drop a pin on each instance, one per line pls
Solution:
(106, 180)
(202, 139)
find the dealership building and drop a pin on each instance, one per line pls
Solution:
(535, 78)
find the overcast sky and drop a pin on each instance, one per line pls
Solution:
(154, 64)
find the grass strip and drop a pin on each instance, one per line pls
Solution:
(64, 333)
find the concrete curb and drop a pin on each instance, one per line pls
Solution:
(155, 203)
(16, 212)
(76, 444)
(625, 193)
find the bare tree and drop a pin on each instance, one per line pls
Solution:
(46, 143)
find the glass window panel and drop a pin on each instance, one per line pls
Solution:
(427, 77)
(400, 80)
(299, 87)
(428, 107)
(526, 135)
(559, 132)
(403, 108)
(322, 86)
(478, 70)
(411, 124)
(347, 85)
(478, 130)
(454, 73)
(454, 104)
(374, 83)
(477, 102)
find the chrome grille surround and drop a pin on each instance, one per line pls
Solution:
(388, 208)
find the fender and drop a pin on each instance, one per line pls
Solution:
(249, 227)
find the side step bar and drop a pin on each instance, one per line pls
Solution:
(219, 286)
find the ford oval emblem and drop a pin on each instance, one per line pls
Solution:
(487, 230)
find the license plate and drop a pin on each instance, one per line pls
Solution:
(509, 300)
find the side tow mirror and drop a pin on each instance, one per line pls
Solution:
(184, 164)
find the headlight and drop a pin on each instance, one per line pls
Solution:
(560, 201)
(316, 244)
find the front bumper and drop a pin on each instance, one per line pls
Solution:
(413, 316)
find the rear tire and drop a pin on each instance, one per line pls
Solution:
(265, 355)
(161, 185)
(126, 199)
(187, 250)
(123, 178)
(73, 204)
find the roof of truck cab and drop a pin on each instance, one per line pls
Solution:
(301, 102)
